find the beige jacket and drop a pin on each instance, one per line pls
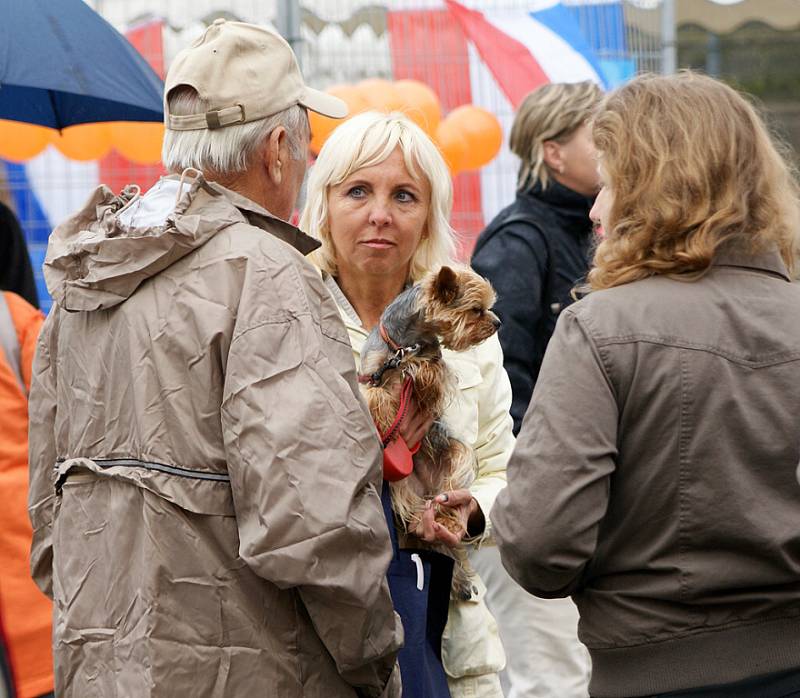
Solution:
(480, 416)
(204, 474)
(654, 478)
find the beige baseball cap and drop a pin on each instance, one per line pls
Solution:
(245, 73)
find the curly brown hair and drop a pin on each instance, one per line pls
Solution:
(691, 166)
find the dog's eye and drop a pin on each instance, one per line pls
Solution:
(478, 311)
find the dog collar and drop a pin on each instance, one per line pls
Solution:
(393, 361)
(386, 338)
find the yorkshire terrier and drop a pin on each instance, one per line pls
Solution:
(451, 308)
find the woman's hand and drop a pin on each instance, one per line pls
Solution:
(466, 508)
(414, 424)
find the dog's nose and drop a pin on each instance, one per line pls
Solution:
(496, 322)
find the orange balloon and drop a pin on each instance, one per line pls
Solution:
(84, 142)
(352, 97)
(453, 145)
(420, 104)
(321, 126)
(20, 142)
(482, 131)
(137, 141)
(381, 95)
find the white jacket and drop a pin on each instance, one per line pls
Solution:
(479, 416)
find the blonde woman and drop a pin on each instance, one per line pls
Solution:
(379, 200)
(654, 476)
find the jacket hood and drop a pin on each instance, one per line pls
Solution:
(97, 258)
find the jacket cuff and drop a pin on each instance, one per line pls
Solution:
(485, 497)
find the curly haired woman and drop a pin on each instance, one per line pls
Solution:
(654, 476)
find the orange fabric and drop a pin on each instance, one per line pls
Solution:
(26, 612)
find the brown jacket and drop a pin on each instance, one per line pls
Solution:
(654, 478)
(204, 475)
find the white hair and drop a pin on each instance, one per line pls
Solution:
(227, 150)
(366, 140)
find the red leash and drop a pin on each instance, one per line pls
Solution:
(405, 398)
(398, 458)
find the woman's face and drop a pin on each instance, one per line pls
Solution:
(377, 218)
(602, 204)
(576, 165)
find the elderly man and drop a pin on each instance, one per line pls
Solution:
(204, 476)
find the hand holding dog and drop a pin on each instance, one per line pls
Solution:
(414, 424)
(466, 508)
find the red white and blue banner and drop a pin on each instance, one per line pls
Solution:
(527, 49)
(493, 58)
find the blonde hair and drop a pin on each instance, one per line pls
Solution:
(366, 140)
(550, 113)
(228, 150)
(690, 166)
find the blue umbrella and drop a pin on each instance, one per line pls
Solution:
(62, 64)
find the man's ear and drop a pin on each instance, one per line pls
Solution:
(553, 157)
(276, 154)
(445, 287)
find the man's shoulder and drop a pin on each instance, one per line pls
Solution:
(254, 246)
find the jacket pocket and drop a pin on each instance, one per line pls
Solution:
(409, 579)
(471, 642)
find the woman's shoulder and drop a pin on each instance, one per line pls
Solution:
(472, 365)
(649, 294)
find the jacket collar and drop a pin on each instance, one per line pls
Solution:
(768, 260)
(261, 218)
(570, 207)
(349, 314)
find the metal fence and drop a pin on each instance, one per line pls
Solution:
(337, 41)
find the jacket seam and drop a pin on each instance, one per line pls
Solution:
(299, 292)
(695, 632)
(683, 473)
(289, 318)
(605, 360)
(295, 644)
(773, 359)
(176, 470)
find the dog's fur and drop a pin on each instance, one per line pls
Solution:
(449, 307)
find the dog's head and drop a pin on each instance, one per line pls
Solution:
(457, 303)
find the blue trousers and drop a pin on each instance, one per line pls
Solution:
(419, 581)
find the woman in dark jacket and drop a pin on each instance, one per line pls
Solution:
(536, 249)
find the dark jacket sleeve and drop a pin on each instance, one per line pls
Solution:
(547, 521)
(515, 261)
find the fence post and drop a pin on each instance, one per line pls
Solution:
(288, 24)
(669, 51)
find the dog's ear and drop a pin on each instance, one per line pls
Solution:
(445, 287)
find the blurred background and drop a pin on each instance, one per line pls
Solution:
(457, 49)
